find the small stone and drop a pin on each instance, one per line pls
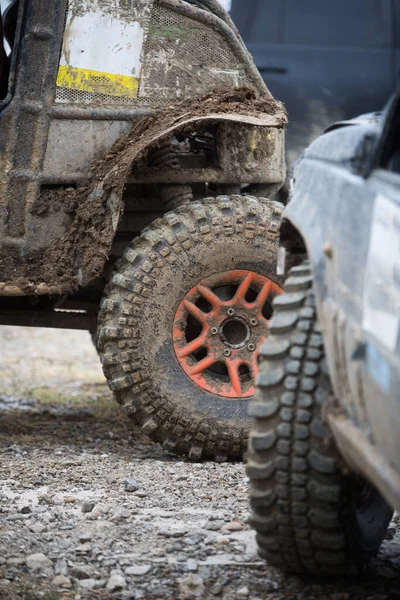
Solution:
(82, 572)
(232, 526)
(61, 567)
(137, 570)
(120, 515)
(87, 506)
(66, 526)
(37, 528)
(192, 565)
(60, 581)
(221, 540)
(87, 584)
(83, 548)
(243, 592)
(131, 485)
(15, 561)
(112, 478)
(192, 587)
(116, 582)
(109, 562)
(69, 500)
(46, 499)
(172, 533)
(141, 494)
(25, 510)
(213, 525)
(216, 589)
(38, 561)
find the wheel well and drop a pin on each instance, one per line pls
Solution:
(294, 244)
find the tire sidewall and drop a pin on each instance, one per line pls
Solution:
(170, 282)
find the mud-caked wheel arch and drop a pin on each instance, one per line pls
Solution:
(182, 320)
(311, 514)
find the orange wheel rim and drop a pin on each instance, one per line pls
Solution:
(218, 329)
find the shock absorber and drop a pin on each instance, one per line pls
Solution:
(172, 195)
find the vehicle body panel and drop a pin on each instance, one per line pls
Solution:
(347, 210)
(66, 108)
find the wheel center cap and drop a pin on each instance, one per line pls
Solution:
(235, 333)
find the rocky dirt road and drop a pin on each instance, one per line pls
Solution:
(90, 509)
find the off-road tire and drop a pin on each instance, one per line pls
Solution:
(134, 336)
(303, 504)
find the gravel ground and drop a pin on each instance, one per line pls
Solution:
(91, 509)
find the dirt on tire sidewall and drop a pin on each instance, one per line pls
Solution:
(166, 261)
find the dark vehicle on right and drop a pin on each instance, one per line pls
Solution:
(326, 61)
(325, 445)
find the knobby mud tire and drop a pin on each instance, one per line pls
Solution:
(310, 517)
(135, 321)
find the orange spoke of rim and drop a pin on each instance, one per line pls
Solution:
(195, 312)
(233, 371)
(202, 365)
(253, 365)
(197, 344)
(263, 295)
(244, 287)
(209, 296)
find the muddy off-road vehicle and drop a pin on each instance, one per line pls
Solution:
(325, 447)
(136, 141)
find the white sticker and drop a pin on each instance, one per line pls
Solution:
(99, 41)
(101, 51)
(381, 314)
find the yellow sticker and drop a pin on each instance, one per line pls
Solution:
(97, 82)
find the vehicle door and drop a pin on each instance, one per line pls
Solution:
(381, 297)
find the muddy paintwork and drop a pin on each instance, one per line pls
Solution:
(52, 145)
(346, 207)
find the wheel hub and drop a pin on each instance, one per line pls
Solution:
(218, 327)
(234, 333)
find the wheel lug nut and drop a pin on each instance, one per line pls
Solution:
(231, 311)
(253, 322)
(251, 347)
(226, 352)
(214, 331)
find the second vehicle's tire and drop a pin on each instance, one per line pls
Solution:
(183, 317)
(309, 515)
